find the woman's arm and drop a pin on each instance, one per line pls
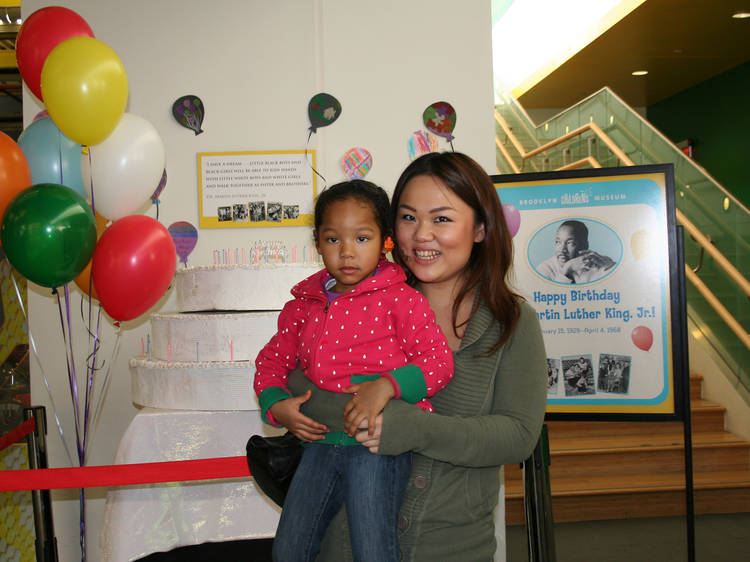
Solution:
(507, 435)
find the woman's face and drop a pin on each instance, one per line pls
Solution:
(435, 230)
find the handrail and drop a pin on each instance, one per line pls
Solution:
(704, 242)
(590, 160)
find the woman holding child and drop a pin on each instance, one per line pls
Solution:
(452, 240)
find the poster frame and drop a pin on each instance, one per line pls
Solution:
(676, 321)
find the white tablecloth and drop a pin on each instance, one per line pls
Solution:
(140, 520)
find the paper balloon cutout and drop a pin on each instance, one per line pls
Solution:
(641, 244)
(189, 111)
(159, 188)
(422, 142)
(356, 163)
(322, 110)
(642, 337)
(512, 218)
(440, 118)
(185, 238)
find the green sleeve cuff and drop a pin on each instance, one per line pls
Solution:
(268, 398)
(411, 382)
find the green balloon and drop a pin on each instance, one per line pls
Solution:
(48, 234)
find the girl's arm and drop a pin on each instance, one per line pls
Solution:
(275, 360)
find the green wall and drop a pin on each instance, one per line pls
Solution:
(715, 114)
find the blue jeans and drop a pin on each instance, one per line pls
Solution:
(329, 476)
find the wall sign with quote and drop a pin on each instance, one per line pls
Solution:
(256, 188)
(595, 256)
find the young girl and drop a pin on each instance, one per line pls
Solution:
(355, 327)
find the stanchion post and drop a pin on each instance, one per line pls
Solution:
(46, 543)
(540, 532)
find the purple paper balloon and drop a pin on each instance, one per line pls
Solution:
(512, 217)
(185, 238)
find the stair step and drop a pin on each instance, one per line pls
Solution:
(639, 454)
(657, 495)
(696, 387)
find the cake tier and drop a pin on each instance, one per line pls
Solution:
(211, 336)
(238, 287)
(205, 385)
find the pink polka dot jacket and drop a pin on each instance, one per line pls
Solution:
(381, 327)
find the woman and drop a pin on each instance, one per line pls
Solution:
(454, 243)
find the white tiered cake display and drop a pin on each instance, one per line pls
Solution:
(202, 357)
(194, 381)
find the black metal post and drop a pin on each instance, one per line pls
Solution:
(46, 543)
(685, 376)
(537, 501)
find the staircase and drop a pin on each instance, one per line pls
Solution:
(621, 470)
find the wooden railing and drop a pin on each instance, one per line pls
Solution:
(691, 229)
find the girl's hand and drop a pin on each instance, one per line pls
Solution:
(287, 413)
(372, 442)
(369, 400)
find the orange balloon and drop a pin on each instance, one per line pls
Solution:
(15, 175)
(84, 280)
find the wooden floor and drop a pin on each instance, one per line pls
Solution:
(620, 470)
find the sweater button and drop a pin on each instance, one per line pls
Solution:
(420, 482)
(403, 523)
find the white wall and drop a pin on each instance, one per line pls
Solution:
(255, 64)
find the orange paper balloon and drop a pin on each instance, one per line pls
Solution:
(84, 280)
(15, 174)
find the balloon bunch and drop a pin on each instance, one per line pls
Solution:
(87, 144)
(83, 163)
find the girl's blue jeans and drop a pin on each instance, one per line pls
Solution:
(329, 476)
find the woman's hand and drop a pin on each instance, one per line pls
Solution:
(369, 400)
(372, 442)
(287, 413)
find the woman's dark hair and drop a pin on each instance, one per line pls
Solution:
(361, 190)
(491, 259)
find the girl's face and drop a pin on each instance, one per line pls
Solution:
(436, 231)
(350, 242)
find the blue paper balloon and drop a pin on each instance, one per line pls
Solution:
(52, 157)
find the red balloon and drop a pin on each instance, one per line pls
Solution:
(15, 174)
(133, 265)
(642, 337)
(41, 32)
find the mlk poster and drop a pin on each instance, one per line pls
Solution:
(595, 256)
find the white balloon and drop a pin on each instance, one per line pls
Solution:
(125, 168)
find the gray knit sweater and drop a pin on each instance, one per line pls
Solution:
(489, 415)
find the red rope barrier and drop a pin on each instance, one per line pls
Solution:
(15, 435)
(124, 474)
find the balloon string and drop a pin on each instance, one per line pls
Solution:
(157, 211)
(91, 180)
(451, 143)
(105, 384)
(71, 376)
(310, 163)
(59, 155)
(32, 342)
(91, 373)
(82, 500)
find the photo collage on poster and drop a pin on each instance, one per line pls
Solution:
(257, 211)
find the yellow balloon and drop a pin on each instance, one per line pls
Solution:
(85, 89)
(641, 244)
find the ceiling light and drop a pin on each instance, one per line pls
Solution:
(639, 72)
(741, 15)
(19, 21)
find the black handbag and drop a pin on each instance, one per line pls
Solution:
(272, 462)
